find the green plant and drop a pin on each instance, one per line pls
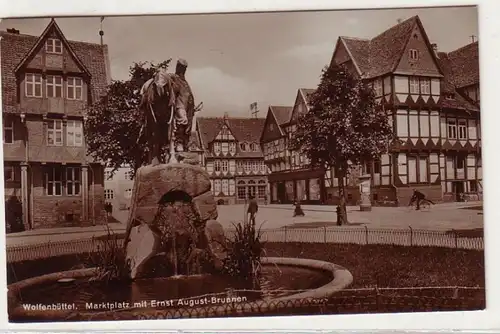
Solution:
(109, 259)
(244, 251)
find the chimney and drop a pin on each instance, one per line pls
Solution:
(435, 49)
(226, 116)
(400, 20)
(13, 31)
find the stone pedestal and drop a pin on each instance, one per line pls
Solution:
(365, 192)
(171, 205)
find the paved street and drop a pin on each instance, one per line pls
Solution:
(440, 217)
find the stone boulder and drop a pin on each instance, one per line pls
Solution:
(174, 202)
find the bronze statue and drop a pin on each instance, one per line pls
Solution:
(168, 106)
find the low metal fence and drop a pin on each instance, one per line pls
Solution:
(362, 235)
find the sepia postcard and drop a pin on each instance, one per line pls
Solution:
(243, 164)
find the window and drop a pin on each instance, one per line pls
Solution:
(73, 181)
(376, 167)
(128, 176)
(422, 169)
(53, 45)
(243, 146)
(54, 86)
(74, 133)
(74, 88)
(414, 85)
(473, 186)
(241, 192)
(232, 148)
(225, 147)
(460, 162)
(452, 129)
(107, 175)
(33, 85)
(239, 167)
(261, 189)
(9, 174)
(128, 193)
(225, 165)
(253, 147)
(247, 166)
(225, 187)
(8, 131)
(217, 186)
(462, 129)
(217, 165)
(217, 148)
(109, 194)
(413, 54)
(377, 87)
(53, 181)
(54, 132)
(425, 86)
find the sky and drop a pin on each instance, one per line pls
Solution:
(237, 59)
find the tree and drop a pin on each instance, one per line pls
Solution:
(344, 126)
(113, 123)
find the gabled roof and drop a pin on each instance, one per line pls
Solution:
(382, 54)
(461, 69)
(281, 113)
(39, 44)
(465, 65)
(14, 48)
(243, 129)
(305, 93)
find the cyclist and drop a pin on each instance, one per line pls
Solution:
(419, 197)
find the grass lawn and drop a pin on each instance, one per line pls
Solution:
(394, 266)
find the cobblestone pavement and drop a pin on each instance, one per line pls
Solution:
(440, 217)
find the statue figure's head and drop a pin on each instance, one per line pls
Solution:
(180, 68)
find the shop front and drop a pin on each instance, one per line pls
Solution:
(304, 186)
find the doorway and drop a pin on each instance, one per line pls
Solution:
(281, 192)
(458, 190)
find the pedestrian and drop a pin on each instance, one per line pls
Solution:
(253, 208)
(298, 209)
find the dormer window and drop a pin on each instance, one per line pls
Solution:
(413, 54)
(243, 147)
(53, 45)
(253, 147)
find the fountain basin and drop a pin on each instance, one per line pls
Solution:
(285, 280)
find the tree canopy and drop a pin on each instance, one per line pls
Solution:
(344, 122)
(113, 123)
(344, 126)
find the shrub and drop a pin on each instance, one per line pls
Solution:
(244, 251)
(109, 259)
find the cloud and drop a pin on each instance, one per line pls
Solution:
(221, 92)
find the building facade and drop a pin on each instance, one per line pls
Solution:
(432, 99)
(291, 178)
(118, 188)
(47, 81)
(232, 156)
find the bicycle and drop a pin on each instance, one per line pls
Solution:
(425, 205)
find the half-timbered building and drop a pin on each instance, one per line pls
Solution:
(433, 101)
(233, 158)
(47, 81)
(291, 176)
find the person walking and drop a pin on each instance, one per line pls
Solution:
(253, 208)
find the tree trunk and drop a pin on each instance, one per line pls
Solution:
(341, 208)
